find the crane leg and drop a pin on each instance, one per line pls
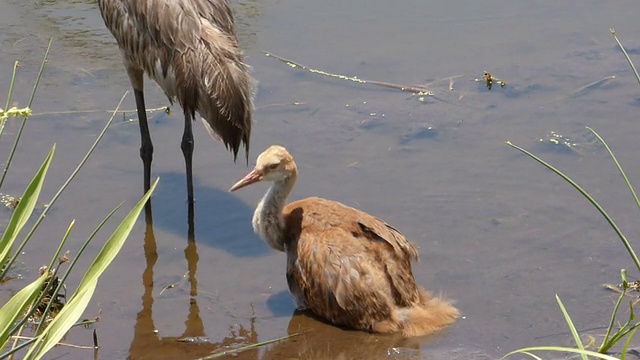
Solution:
(187, 151)
(146, 147)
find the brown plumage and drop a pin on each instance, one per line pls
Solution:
(190, 49)
(343, 264)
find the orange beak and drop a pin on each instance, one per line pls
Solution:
(252, 177)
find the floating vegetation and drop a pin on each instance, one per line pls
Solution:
(489, 79)
(57, 300)
(9, 201)
(420, 91)
(554, 141)
(12, 202)
(14, 111)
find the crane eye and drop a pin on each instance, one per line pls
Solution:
(272, 166)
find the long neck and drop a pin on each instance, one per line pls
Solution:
(268, 220)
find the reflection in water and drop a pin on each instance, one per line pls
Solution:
(191, 251)
(320, 340)
(218, 209)
(146, 343)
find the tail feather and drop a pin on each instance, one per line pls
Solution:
(430, 315)
(226, 90)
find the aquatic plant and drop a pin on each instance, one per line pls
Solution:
(627, 330)
(39, 303)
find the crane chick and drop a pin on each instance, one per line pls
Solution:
(344, 265)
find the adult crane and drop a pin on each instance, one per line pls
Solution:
(190, 49)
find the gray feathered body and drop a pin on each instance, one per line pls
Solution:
(189, 48)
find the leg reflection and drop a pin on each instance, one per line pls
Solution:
(148, 343)
(191, 252)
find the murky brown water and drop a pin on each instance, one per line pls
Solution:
(496, 231)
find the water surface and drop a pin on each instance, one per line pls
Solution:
(495, 230)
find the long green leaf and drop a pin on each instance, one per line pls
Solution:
(65, 319)
(24, 118)
(24, 209)
(3, 117)
(607, 341)
(626, 55)
(560, 349)
(16, 306)
(115, 242)
(72, 311)
(61, 190)
(574, 332)
(625, 349)
(613, 225)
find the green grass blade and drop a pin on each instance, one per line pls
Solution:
(65, 319)
(574, 332)
(615, 160)
(532, 355)
(115, 242)
(613, 225)
(3, 117)
(24, 118)
(78, 255)
(625, 348)
(78, 302)
(606, 342)
(63, 187)
(11, 84)
(56, 291)
(23, 211)
(17, 348)
(615, 36)
(16, 306)
(625, 329)
(35, 85)
(561, 349)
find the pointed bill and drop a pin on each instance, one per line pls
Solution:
(252, 177)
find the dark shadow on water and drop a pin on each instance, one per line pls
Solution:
(281, 304)
(221, 219)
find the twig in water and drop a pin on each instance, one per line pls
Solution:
(268, 106)
(248, 347)
(174, 285)
(579, 91)
(166, 109)
(59, 344)
(412, 89)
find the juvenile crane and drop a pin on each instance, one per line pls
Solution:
(343, 264)
(189, 48)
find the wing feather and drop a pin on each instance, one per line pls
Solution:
(350, 266)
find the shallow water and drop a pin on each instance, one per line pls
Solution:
(496, 231)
